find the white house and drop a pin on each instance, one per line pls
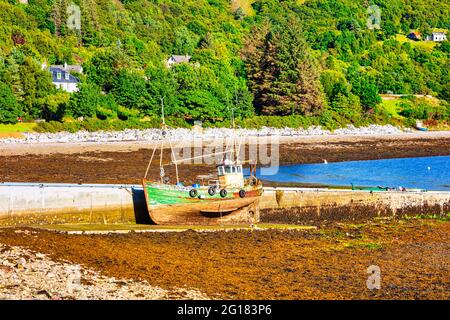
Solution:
(437, 36)
(62, 79)
(175, 59)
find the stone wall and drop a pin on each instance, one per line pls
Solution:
(308, 206)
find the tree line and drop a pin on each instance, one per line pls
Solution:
(281, 58)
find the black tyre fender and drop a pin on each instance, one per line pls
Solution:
(223, 193)
(242, 193)
(211, 191)
(193, 193)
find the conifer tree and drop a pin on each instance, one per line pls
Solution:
(282, 72)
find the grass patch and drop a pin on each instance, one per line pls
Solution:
(363, 245)
(18, 127)
(390, 106)
(284, 226)
(445, 217)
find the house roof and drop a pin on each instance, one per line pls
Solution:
(69, 67)
(56, 70)
(179, 59)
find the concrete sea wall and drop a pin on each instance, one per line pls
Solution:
(28, 203)
(306, 205)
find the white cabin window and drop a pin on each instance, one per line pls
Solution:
(220, 171)
(67, 75)
(58, 75)
(239, 169)
(227, 169)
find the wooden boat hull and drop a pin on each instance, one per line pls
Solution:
(169, 205)
(243, 211)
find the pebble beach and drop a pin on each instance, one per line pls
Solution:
(207, 133)
(29, 275)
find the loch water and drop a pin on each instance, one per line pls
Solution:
(430, 173)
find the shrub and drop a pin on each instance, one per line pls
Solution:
(105, 113)
(125, 113)
(177, 122)
(423, 110)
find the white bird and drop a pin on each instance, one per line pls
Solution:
(325, 161)
(429, 168)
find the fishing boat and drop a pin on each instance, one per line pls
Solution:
(227, 198)
(419, 126)
(377, 188)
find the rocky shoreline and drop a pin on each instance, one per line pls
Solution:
(207, 133)
(29, 275)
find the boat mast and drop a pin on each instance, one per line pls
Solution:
(230, 146)
(237, 147)
(164, 126)
(162, 112)
(164, 132)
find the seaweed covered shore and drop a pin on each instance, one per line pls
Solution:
(328, 263)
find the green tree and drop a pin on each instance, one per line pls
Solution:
(84, 102)
(52, 106)
(185, 41)
(366, 90)
(36, 84)
(161, 84)
(282, 71)
(9, 108)
(129, 89)
(12, 77)
(201, 105)
(103, 67)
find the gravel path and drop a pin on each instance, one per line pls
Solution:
(26, 275)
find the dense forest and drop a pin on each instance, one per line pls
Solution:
(311, 61)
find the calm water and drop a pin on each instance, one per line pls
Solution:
(431, 173)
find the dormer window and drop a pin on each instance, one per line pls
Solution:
(58, 75)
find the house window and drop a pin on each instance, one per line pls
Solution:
(58, 75)
(67, 75)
